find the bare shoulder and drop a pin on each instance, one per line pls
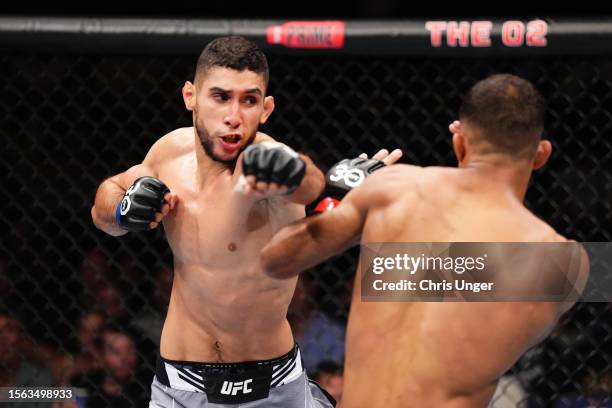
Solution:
(572, 260)
(396, 180)
(170, 146)
(541, 231)
(384, 185)
(394, 174)
(262, 137)
(409, 173)
(175, 142)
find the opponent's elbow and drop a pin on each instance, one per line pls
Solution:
(273, 266)
(276, 265)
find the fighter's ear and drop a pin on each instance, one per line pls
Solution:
(268, 109)
(459, 146)
(189, 95)
(542, 154)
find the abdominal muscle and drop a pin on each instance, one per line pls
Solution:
(223, 308)
(213, 319)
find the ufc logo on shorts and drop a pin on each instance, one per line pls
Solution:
(351, 177)
(232, 388)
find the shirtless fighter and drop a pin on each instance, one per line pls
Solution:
(222, 189)
(438, 354)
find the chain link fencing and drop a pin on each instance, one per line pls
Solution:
(69, 121)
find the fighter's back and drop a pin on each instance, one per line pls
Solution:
(445, 354)
(440, 354)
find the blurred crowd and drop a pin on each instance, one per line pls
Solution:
(107, 352)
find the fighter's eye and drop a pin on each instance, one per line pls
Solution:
(250, 100)
(222, 97)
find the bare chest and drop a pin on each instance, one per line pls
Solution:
(214, 225)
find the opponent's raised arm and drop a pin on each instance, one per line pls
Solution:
(310, 241)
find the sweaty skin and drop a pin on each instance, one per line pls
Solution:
(427, 354)
(223, 308)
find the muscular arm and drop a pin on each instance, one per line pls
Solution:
(312, 184)
(309, 241)
(310, 188)
(110, 193)
(111, 190)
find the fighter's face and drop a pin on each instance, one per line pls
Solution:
(228, 106)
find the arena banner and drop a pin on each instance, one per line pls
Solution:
(430, 37)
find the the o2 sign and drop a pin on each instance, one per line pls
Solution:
(514, 33)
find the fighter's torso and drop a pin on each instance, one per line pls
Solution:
(223, 307)
(438, 353)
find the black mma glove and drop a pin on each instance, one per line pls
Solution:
(273, 162)
(140, 202)
(342, 178)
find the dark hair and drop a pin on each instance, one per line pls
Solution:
(507, 112)
(232, 52)
(328, 367)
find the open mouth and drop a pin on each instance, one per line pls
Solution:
(230, 142)
(231, 139)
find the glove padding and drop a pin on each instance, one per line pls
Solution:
(140, 202)
(273, 162)
(342, 178)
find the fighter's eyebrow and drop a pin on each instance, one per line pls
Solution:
(220, 90)
(254, 90)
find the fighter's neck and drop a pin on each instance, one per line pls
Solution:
(501, 176)
(208, 169)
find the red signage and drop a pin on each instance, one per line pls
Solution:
(307, 34)
(478, 33)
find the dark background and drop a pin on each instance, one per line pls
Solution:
(361, 9)
(71, 120)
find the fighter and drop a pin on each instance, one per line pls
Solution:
(437, 354)
(221, 190)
